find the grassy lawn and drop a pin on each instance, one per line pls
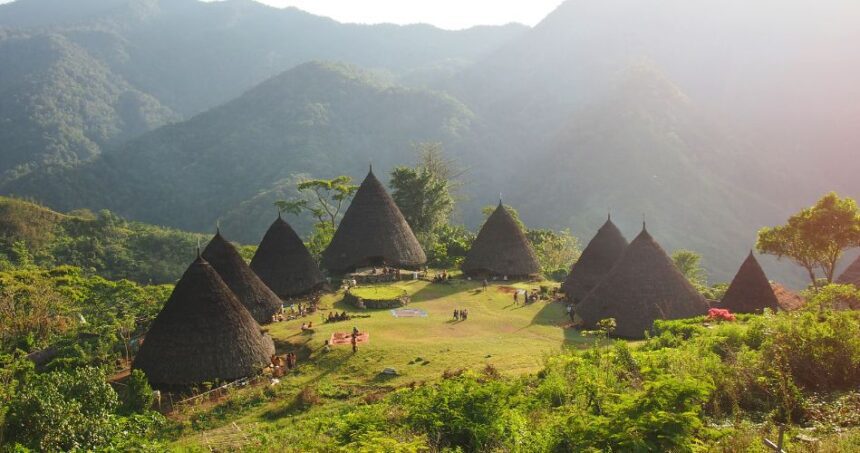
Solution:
(513, 338)
(379, 292)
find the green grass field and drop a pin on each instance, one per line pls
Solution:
(512, 338)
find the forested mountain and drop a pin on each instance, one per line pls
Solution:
(320, 119)
(779, 74)
(59, 105)
(708, 122)
(77, 76)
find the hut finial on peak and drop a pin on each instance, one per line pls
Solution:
(370, 167)
(198, 248)
(218, 226)
(644, 226)
(500, 199)
(608, 216)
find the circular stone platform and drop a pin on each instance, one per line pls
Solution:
(376, 297)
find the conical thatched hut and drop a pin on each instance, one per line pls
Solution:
(596, 261)
(750, 291)
(643, 286)
(373, 232)
(284, 263)
(260, 301)
(851, 276)
(501, 249)
(202, 334)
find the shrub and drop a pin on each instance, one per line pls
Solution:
(63, 411)
(138, 394)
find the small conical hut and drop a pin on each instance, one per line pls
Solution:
(750, 290)
(596, 261)
(260, 301)
(283, 262)
(501, 249)
(372, 232)
(851, 276)
(202, 334)
(643, 286)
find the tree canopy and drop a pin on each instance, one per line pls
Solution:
(816, 237)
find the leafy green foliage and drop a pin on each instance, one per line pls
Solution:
(105, 244)
(815, 237)
(138, 393)
(556, 251)
(61, 411)
(424, 192)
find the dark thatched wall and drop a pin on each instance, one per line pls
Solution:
(284, 263)
(260, 301)
(643, 286)
(596, 261)
(851, 276)
(501, 248)
(202, 334)
(372, 231)
(750, 291)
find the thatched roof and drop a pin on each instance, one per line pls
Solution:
(750, 291)
(283, 262)
(202, 334)
(788, 300)
(260, 301)
(596, 261)
(501, 248)
(643, 286)
(373, 232)
(851, 276)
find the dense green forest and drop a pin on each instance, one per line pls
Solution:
(103, 243)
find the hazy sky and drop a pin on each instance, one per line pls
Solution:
(450, 14)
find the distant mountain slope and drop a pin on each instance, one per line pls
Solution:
(783, 74)
(647, 150)
(58, 105)
(318, 118)
(81, 75)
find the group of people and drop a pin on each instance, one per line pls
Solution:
(334, 316)
(461, 315)
(441, 278)
(283, 363)
(307, 326)
(528, 297)
(293, 312)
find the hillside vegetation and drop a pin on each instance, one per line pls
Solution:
(102, 243)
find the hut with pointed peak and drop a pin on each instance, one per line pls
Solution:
(373, 232)
(643, 286)
(257, 298)
(750, 290)
(501, 249)
(596, 261)
(283, 262)
(851, 276)
(202, 334)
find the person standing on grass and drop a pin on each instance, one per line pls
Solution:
(516, 297)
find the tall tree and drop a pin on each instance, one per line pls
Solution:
(689, 263)
(815, 237)
(424, 193)
(325, 198)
